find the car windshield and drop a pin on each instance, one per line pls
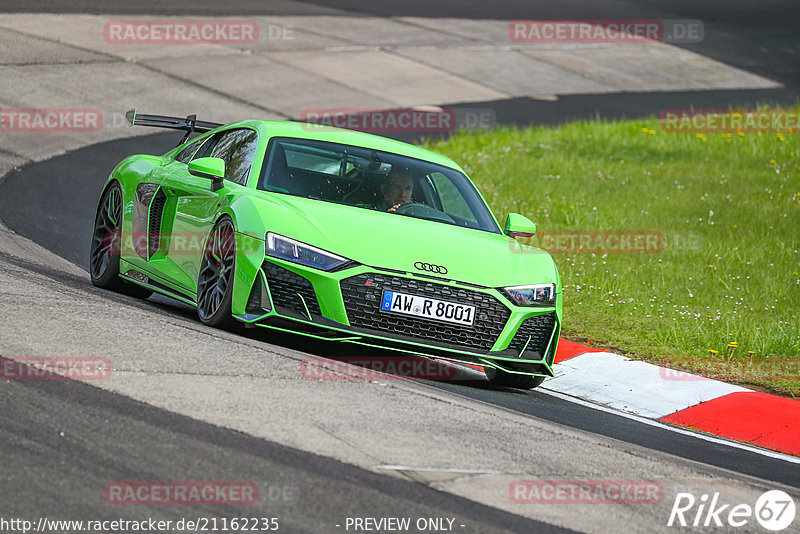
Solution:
(372, 179)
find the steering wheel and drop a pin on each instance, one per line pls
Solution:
(423, 211)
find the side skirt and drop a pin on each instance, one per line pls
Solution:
(143, 280)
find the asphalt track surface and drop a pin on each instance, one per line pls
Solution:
(759, 37)
(62, 442)
(65, 190)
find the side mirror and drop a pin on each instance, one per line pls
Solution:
(211, 168)
(519, 226)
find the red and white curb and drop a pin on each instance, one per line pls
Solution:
(698, 403)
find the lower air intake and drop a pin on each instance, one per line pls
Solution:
(539, 329)
(287, 288)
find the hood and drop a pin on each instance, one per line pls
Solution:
(394, 241)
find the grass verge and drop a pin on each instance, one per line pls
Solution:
(721, 297)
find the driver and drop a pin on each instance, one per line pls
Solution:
(396, 191)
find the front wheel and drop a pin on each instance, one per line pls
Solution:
(502, 378)
(215, 282)
(105, 249)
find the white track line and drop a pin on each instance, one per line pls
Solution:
(659, 424)
(435, 470)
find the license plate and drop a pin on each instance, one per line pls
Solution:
(417, 306)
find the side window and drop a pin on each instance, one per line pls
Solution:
(452, 200)
(186, 154)
(237, 148)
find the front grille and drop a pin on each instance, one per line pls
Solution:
(539, 329)
(362, 296)
(154, 229)
(286, 288)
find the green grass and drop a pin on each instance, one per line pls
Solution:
(728, 207)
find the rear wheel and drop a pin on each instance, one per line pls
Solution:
(105, 249)
(502, 378)
(215, 282)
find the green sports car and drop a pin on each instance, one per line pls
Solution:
(330, 233)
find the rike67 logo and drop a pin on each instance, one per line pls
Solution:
(774, 511)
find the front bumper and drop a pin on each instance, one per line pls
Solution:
(344, 306)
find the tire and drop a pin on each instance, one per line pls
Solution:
(105, 250)
(511, 380)
(215, 280)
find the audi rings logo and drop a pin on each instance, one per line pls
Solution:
(438, 269)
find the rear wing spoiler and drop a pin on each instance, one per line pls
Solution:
(189, 124)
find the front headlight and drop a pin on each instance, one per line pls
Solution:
(536, 295)
(285, 248)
